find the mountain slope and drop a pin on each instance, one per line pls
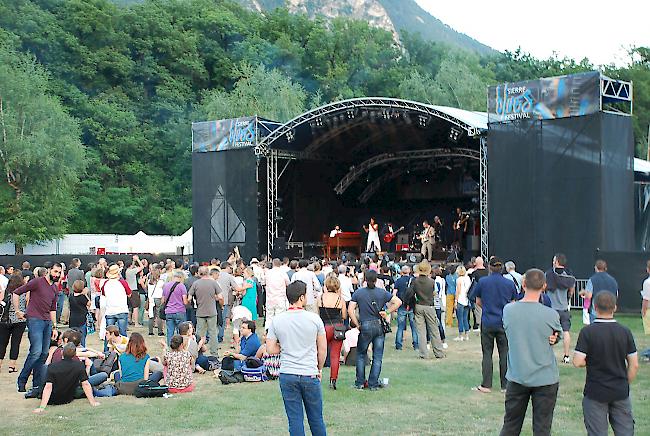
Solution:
(392, 15)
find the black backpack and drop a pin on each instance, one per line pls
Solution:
(230, 377)
(5, 307)
(409, 295)
(149, 389)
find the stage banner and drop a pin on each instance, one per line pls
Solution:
(545, 99)
(224, 134)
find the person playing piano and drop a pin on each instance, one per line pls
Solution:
(335, 231)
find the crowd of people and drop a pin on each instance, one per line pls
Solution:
(316, 314)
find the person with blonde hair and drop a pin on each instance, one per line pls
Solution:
(332, 310)
(463, 283)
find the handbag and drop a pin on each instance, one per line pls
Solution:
(385, 325)
(161, 311)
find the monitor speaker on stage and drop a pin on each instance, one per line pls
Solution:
(414, 257)
(403, 238)
(368, 255)
(346, 256)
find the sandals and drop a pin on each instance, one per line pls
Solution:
(12, 369)
(481, 389)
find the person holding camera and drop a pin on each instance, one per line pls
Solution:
(423, 288)
(372, 326)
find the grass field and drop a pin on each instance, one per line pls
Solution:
(424, 397)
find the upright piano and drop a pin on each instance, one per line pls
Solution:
(344, 241)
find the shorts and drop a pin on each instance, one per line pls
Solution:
(135, 300)
(565, 319)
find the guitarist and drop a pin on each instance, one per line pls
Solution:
(460, 227)
(427, 241)
(386, 230)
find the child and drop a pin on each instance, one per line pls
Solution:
(79, 305)
(179, 366)
(196, 349)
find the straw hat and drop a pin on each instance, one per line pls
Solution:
(113, 272)
(422, 268)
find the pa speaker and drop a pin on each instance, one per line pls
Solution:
(414, 257)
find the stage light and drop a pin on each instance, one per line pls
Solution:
(351, 113)
(455, 134)
(423, 120)
(291, 135)
(319, 122)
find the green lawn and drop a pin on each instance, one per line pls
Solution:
(424, 397)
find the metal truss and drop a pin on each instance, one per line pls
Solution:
(618, 91)
(381, 159)
(387, 176)
(483, 198)
(263, 146)
(271, 199)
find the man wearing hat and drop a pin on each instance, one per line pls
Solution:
(425, 312)
(493, 292)
(115, 293)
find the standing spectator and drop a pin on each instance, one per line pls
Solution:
(371, 301)
(332, 312)
(463, 284)
(600, 281)
(293, 267)
(75, 273)
(41, 323)
(347, 288)
(12, 327)
(425, 313)
(645, 295)
(249, 291)
(228, 286)
(512, 275)
(304, 348)
(4, 278)
(259, 270)
(115, 293)
(276, 291)
(560, 287)
(404, 312)
(27, 272)
(439, 302)
(190, 309)
(608, 351)
(478, 273)
(154, 296)
(450, 279)
(492, 294)
(314, 288)
(531, 329)
(206, 292)
(79, 305)
(131, 275)
(175, 294)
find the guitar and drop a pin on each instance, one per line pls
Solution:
(461, 223)
(388, 237)
(426, 234)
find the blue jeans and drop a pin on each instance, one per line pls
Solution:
(190, 315)
(371, 333)
(121, 320)
(441, 327)
(84, 332)
(299, 390)
(462, 313)
(39, 334)
(97, 379)
(402, 316)
(60, 301)
(222, 327)
(172, 322)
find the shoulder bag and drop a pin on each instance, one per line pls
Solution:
(339, 327)
(385, 325)
(161, 312)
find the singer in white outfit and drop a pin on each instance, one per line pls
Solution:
(373, 236)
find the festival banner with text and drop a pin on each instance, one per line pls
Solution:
(545, 99)
(224, 134)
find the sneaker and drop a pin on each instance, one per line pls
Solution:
(357, 387)
(444, 345)
(477, 329)
(21, 388)
(161, 333)
(566, 359)
(150, 333)
(459, 339)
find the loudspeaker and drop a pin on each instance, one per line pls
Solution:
(346, 256)
(368, 255)
(414, 257)
(403, 238)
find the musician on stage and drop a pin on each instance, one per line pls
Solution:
(460, 227)
(373, 236)
(388, 232)
(437, 230)
(335, 231)
(427, 241)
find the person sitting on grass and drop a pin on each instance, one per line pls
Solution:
(196, 349)
(62, 380)
(83, 355)
(179, 365)
(134, 366)
(248, 345)
(114, 341)
(608, 351)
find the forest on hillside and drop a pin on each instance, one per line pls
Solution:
(98, 98)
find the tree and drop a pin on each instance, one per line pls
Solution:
(40, 153)
(258, 91)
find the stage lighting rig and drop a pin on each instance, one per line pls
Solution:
(423, 120)
(291, 135)
(351, 113)
(319, 122)
(455, 134)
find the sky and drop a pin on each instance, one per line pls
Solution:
(598, 31)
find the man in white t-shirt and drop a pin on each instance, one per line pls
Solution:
(304, 348)
(276, 291)
(115, 292)
(645, 294)
(314, 287)
(346, 284)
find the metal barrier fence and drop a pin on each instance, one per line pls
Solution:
(576, 300)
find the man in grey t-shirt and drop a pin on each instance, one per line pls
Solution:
(206, 293)
(304, 347)
(560, 285)
(531, 329)
(228, 285)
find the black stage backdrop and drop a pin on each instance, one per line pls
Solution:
(563, 185)
(224, 203)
